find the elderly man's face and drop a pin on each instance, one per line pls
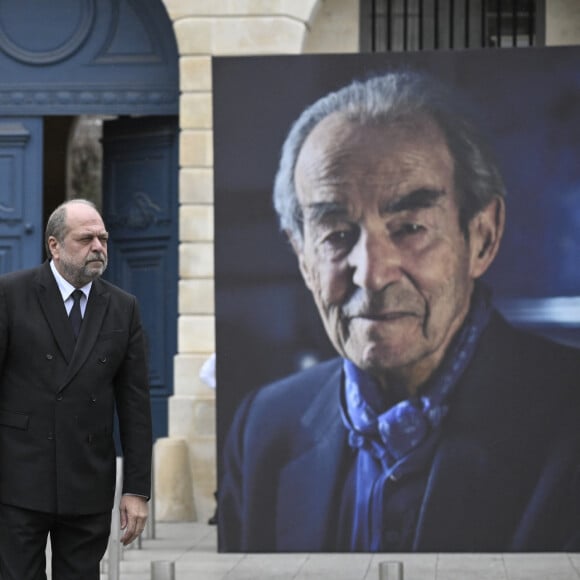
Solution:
(383, 254)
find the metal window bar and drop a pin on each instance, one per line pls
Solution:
(421, 24)
(402, 25)
(514, 22)
(436, 23)
(498, 22)
(451, 22)
(466, 24)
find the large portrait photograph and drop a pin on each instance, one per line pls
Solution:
(397, 269)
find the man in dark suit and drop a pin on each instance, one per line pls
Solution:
(71, 351)
(440, 427)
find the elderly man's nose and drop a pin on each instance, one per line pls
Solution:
(375, 262)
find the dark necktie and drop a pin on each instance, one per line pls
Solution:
(75, 315)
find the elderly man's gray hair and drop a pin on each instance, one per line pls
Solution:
(395, 95)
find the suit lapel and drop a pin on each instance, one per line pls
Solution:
(307, 483)
(94, 315)
(52, 305)
(475, 485)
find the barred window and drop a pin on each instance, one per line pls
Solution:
(401, 25)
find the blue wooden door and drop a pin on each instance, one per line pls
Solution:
(140, 211)
(20, 193)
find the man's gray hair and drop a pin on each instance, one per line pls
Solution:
(57, 226)
(386, 98)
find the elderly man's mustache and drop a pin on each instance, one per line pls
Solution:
(388, 302)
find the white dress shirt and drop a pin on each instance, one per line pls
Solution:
(66, 290)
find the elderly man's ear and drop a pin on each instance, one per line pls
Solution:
(298, 247)
(485, 233)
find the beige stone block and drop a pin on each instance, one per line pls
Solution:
(194, 35)
(334, 28)
(196, 260)
(174, 494)
(195, 111)
(203, 466)
(196, 185)
(257, 36)
(193, 417)
(196, 223)
(300, 9)
(186, 382)
(195, 73)
(196, 333)
(179, 8)
(184, 413)
(562, 22)
(180, 416)
(197, 296)
(195, 148)
(243, 35)
(204, 417)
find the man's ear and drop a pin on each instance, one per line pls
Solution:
(52, 245)
(297, 244)
(485, 233)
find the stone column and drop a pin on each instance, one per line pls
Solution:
(204, 28)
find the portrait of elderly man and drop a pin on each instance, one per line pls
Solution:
(439, 426)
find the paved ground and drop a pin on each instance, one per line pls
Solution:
(192, 547)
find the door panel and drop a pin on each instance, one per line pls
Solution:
(21, 193)
(140, 211)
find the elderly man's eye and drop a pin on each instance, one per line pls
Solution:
(409, 229)
(341, 238)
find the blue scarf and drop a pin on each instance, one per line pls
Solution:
(401, 440)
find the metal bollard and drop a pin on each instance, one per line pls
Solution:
(162, 570)
(390, 570)
(114, 550)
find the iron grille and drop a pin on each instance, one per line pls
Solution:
(401, 25)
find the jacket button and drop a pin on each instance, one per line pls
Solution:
(59, 397)
(49, 356)
(50, 436)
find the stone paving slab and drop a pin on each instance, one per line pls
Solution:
(193, 549)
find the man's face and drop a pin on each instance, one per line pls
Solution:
(82, 254)
(382, 251)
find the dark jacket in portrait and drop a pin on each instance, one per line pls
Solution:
(57, 397)
(504, 476)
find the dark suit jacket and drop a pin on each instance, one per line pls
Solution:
(505, 475)
(57, 402)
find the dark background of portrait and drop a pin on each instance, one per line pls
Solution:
(525, 100)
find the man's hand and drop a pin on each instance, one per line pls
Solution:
(133, 512)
